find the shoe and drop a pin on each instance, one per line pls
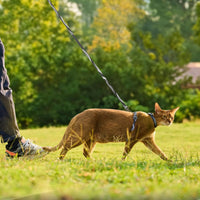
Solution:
(24, 148)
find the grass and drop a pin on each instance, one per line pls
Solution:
(142, 176)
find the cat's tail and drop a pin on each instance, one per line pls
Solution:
(49, 149)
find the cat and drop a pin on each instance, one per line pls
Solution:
(109, 125)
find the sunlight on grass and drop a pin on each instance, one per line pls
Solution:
(142, 176)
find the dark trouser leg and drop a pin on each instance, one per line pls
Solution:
(8, 124)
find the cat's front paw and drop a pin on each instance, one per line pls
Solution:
(123, 158)
(169, 160)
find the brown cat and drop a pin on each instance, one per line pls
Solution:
(108, 125)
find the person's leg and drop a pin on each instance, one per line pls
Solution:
(8, 123)
(9, 131)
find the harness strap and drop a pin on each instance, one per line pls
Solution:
(135, 119)
(154, 120)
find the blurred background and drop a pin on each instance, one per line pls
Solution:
(149, 50)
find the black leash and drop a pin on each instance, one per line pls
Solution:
(85, 52)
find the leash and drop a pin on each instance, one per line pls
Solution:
(90, 59)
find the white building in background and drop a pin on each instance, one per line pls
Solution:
(193, 72)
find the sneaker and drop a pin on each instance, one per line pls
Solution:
(24, 148)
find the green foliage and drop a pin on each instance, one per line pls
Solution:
(140, 55)
(189, 107)
(134, 105)
(142, 176)
(88, 10)
(167, 16)
(170, 16)
(196, 27)
(41, 66)
(155, 65)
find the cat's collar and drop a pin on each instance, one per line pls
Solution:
(154, 120)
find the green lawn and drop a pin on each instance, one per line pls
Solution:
(142, 176)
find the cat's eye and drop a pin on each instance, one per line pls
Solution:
(164, 117)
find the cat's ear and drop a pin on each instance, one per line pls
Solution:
(173, 111)
(157, 108)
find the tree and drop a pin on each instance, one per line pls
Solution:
(155, 65)
(111, 23)
(166, 17)
(196, 27)
(52, 79)
(88, 10)
(39, 59)
(111, 44)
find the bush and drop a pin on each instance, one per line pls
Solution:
(189, 107)
(134, 105)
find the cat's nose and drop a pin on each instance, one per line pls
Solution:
(169, 122)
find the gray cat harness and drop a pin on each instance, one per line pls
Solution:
(135, 119)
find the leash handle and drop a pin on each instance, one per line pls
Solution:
(90, 59)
